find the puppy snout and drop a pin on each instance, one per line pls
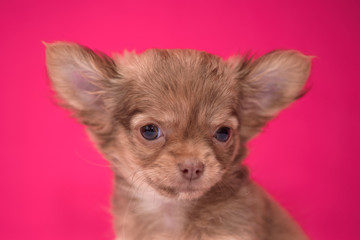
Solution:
(191, 169)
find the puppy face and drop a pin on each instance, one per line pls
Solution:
(174, 121)
(181, 132)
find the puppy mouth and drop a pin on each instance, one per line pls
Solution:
(190, 188)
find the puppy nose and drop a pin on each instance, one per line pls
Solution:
(191, 169)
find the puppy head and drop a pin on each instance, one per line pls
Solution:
(175, 121)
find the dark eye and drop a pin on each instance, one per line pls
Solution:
(150, 132)
(222, 134)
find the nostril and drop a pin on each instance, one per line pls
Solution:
(191, 170)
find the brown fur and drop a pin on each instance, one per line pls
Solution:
(189, 95)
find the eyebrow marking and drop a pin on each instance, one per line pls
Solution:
(161, 119)
(232, 121)
(137, 118)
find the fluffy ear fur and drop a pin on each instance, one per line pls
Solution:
(270, 84)
(79, 75)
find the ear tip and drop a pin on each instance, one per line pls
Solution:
(59, 45)
(292, 52)
(298, 54)
(307, 58)
(303, 59)
(60, 49)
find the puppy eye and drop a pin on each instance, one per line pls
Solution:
(222, 134)
(150, 132)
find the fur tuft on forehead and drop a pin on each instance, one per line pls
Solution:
(180, 82)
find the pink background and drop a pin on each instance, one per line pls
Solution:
(53, 184)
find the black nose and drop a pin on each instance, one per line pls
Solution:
(191, 169)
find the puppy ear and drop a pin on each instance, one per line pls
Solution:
(79, 75)
(270, 84)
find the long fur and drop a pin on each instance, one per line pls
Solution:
(188, 94)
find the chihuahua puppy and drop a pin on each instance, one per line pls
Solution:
(174, 125)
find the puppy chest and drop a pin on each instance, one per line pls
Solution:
(166, 217)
